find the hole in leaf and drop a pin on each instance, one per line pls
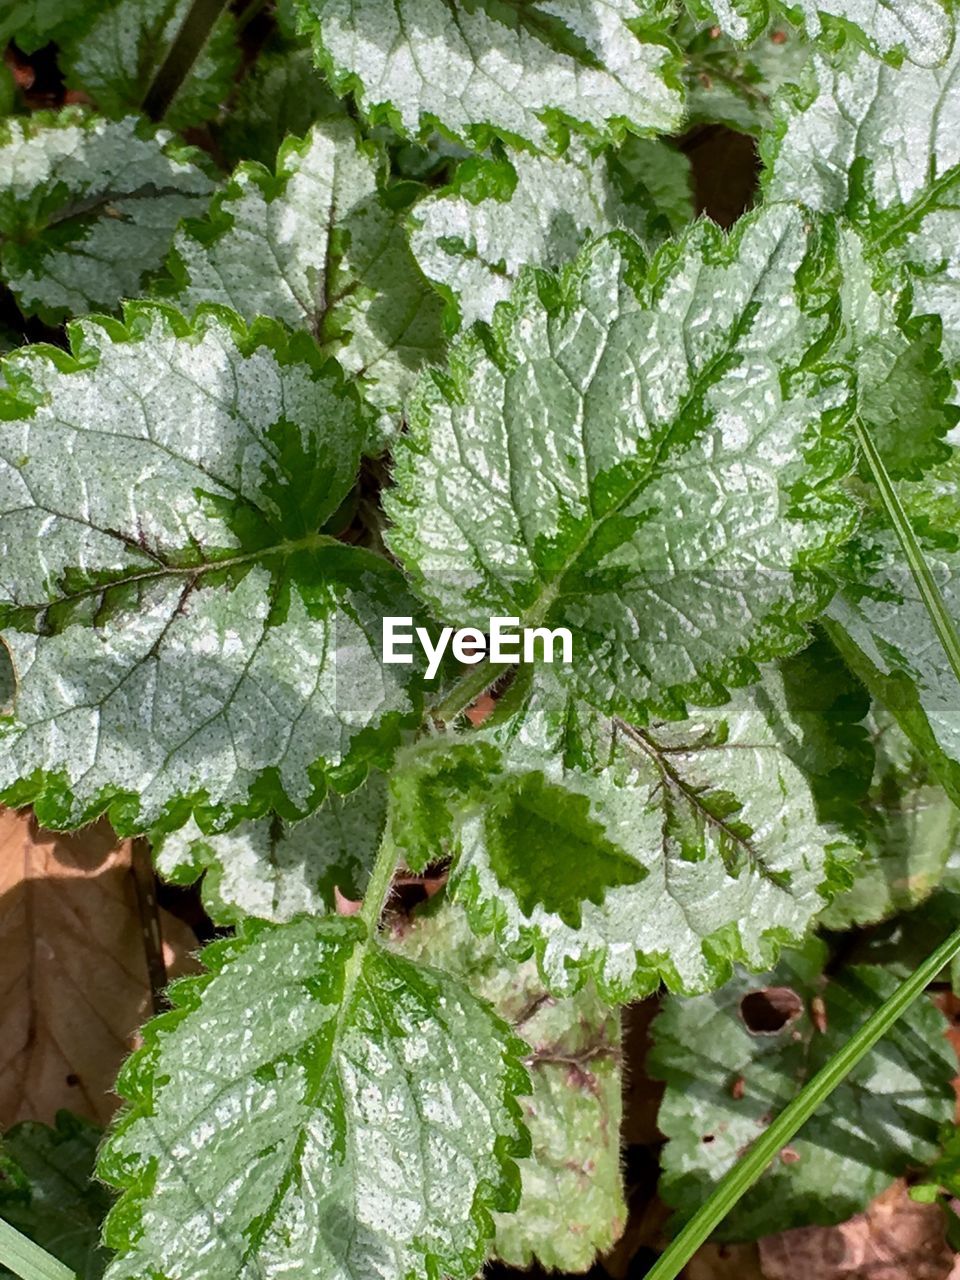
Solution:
(768, 1011)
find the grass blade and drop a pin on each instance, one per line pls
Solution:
(943, 624)
(747, 1170)
(26, 1259)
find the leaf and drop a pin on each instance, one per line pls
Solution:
(912, 834)
(73, 969)
(646, 455)
(281, 94)
(734, 85)
(115, 53)
(846, 144)
(519, 71)
(34, 23)
(717, 823)
(572, 1205)
(473, 237)
(47, 1191)
(356, 1116)
(733, 1059)
(895, 1239)
(88, 207)
(922, 30)
(318, 247)
(185, 635)
(274, 869)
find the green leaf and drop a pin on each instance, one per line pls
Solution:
(648, 455)
(517, 70)
(34, 23)
(47, 1191)
(714, 819)
(273, 869)
(921, 30)
(733, 1059)
(902, 383)
(318, 247)
(185, 634)
(846, 144)
(356, 1117)
(282, 94)
(473, 237)
(571, 1205)
(730, 84)
(910, 831)
(114, 55)
(88, 207)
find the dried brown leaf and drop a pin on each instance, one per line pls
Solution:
(74, 984)
(896, 1239)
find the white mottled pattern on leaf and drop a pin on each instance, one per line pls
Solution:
(896, 173)
(720, 822)
(115, 52)
(572, 1204)
(88, 207)
(317, 1105)
(476, 248)
(178, 626)
(633, 462)
(921, 29)
(881, 1121)
(427, 62)
(317, 247)
(273, 869)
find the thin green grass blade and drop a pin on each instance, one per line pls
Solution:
(28, 1260)
(747, 1170)
(943, 624)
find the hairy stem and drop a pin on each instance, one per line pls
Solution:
(183, 53)
(466, 691)
(28, 1260)
(381, 878)
(750, 1167)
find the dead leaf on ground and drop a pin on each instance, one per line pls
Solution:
(896, 1239)
(726, 1262)
(74, 986)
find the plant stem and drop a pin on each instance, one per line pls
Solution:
(749, 1168)
(28, 1260)
(181, 56)
(466, 691)
(381, 878)
(943, 624)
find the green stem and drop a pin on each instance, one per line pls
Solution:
(381, 878)
(28, 1260)
(181, 56)
(466, 691)
(926, 583)
(750, 1167)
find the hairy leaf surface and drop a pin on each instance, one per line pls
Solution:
(317, 247)
(88, 207)
(644, 455)
(734, 1059)
(572, 1204)
(474, 237)
(521, 71)
(273, 869)
(319, 1105)
(637, 855)
(114, 53)
(183, 632)
(47, 1191)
